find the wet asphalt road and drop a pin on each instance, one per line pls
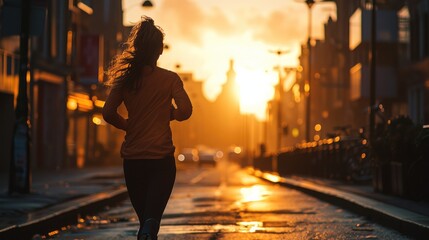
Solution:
(224, 202)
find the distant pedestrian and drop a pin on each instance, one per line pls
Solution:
(147, 92)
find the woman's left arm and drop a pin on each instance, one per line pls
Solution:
(110, 109)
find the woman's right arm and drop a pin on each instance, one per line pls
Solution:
(110, 109)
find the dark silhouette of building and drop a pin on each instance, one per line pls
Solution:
(217, 124)
(66, 60)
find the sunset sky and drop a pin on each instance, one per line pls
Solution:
(204, 35)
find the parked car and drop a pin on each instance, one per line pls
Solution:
(188, 155)
(207, 157)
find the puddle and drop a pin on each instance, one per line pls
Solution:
(205, 199)
(93, 220)
(239, 227)
(365, 227)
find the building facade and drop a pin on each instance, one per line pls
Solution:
(67, 58)
(340, 86)
(417, 49)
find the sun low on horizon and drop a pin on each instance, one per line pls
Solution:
(204, 35)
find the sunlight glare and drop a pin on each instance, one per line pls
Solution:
(253, 194)
(250, 227)
(271, 177)
(256, 88)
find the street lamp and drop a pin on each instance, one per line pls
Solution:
(144, 4)
(147, 3)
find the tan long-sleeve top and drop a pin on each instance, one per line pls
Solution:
(148, 133)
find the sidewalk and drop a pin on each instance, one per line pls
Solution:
(57, 198)
(407, 216)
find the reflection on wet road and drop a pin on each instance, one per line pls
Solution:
(224, 202)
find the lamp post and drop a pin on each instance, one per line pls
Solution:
(307, 86)
(372, 80)
(19, 177)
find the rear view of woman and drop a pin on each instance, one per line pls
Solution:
(148, 151)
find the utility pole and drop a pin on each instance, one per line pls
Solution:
(19, 177)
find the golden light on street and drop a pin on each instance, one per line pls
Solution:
(85, 8)
(99, 103)
(271, 177)
(69, 45)
(181, 157)
(316, 138)
(295, 132)
(307, 87)
(96, 120)
(253, 194)
(52, 233)
(325, 114)
(237, 150)
(71, 104)
(80, 161)
(317, 75)
(81, 100)
(317, 127)
(250, 226)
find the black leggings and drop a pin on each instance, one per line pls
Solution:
(149, 183)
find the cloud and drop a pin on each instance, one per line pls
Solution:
(220, 23)
(182, 19)
(279, 27)
(186, 20)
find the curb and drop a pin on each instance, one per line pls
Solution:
(400, 219)
(60, 215)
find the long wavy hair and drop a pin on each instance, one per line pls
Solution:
(142, 48)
